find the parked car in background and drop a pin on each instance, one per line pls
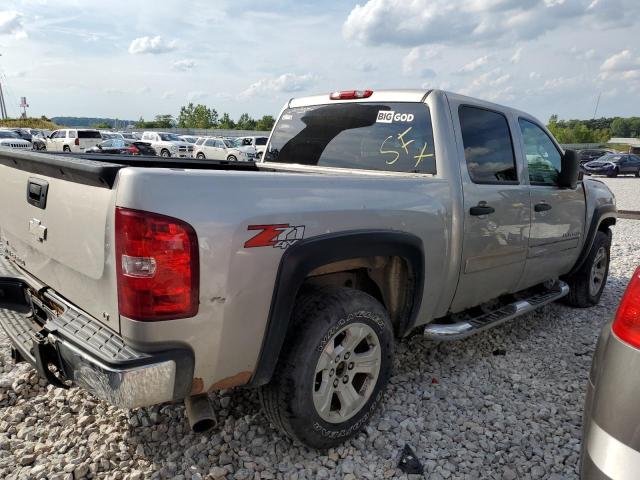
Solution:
(168, 144)
(10, 139)
(258, 143)
(199, 141)
(124, 147)
(39, 138)
(110, 135)
(189, 138)
(222, 149)
(129, 136)
(592, 154)
(72, 140)
(24, 133)
(614, 164)
(611, 421)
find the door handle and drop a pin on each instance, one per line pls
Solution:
(481, 209)
(542, 207)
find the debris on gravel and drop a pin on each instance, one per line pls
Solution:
(503, 404)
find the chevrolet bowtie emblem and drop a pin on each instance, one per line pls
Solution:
(37, 229)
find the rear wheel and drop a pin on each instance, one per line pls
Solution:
(333, 369)
(587, 284)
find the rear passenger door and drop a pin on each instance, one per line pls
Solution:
(557, 214)
(496, 206)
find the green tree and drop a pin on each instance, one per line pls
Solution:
(620, 127)
(197, 116)
(245, 122)
(102, 125)
(226, 122)
(265, 123)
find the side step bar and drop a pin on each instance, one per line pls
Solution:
(464, 328)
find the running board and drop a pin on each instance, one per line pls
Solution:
(462, 329)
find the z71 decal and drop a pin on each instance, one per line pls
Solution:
(281, 235)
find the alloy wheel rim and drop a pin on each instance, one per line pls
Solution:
(346, 372)
(598, 271)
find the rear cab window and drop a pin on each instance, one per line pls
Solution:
(390, 137)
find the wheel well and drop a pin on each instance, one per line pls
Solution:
(606, 223)
(388, 279)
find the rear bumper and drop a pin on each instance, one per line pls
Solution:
(45, 330)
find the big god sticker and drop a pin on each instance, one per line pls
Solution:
(390, 116)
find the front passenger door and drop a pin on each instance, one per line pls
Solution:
(557, 214)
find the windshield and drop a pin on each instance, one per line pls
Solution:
(394, 137)
(170, 137)
(8, 134)
(610, 158)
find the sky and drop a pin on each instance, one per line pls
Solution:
(138, 58)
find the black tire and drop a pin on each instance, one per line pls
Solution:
(638, 173)
(320, 315)
(232, 158)
(201, 156)
(66, 149)
(581, 294)
(165, 153)
(614, 173)
(259, 155)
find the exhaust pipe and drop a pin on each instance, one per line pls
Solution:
(200, 414)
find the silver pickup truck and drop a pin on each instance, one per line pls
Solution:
(372, 214)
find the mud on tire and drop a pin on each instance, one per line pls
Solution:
(318, 354)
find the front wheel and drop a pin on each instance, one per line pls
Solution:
(66, 149)
(614, 173)
(165, 153)
(232, 158)
(638, 173)
(200, 156)
(587, 284)
(333, 369)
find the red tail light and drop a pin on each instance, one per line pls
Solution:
(351, 94)
(133, 150)
(77, 141)
(157, 265)
(627, 322)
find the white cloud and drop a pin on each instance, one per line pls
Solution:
(419, 60)
(169, 94)
(11, 24)
(421, 22)
(475, 65)
(152, 45)
(624, 64)
(143, 90)
(287, 82)
(517, 55)
(196, 95)
(114, 91)
(183, 65)
(534, 75)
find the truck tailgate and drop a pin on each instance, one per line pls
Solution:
(63, 238)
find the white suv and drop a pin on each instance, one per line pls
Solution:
(72, 140)
(258, 143)
(168, 144)
(222, 149)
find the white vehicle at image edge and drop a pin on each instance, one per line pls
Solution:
(168, 144)
(258, 143)
(222, 149)
(9, 139)
(72, 140)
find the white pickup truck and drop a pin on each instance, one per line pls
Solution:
(371, 215)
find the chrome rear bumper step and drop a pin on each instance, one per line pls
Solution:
(471, 325)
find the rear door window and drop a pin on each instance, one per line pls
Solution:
(488, 149)
(392, 137)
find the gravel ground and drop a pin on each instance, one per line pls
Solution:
(503, 404)
(626, 189)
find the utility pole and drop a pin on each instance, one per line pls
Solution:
(3, 106)
(595, 112)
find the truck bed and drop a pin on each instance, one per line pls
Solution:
(100, 170)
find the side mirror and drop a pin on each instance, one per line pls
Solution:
(569, 170)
